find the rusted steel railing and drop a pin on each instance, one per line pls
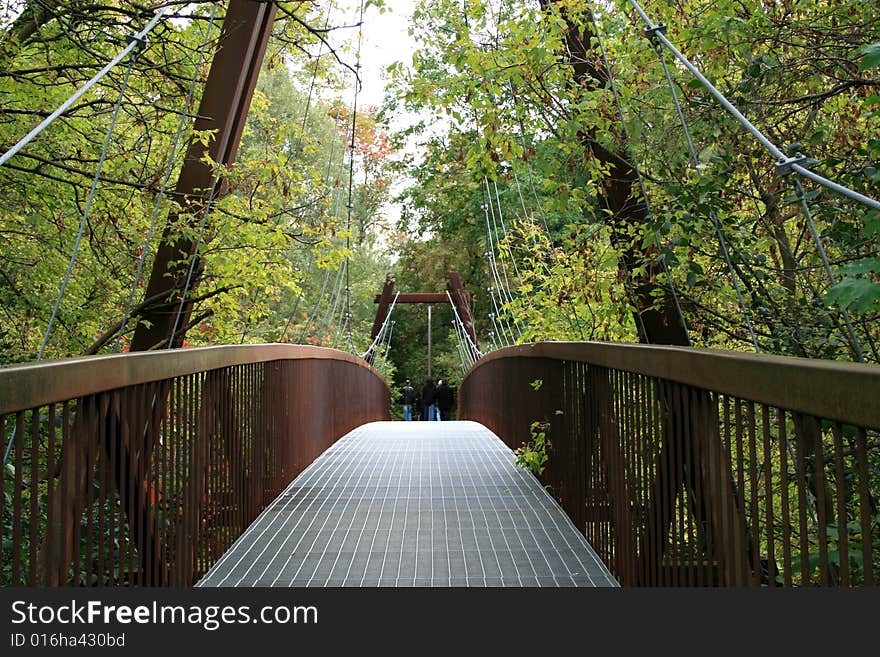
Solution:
(689, 467)
(142, 469)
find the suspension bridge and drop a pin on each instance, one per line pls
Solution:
(276, 464)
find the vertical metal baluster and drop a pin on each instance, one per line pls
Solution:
(67, 449)
(239, 390)
(139, 416)
(632, 469)
(667, 502)
(188, 545)
(89, 472)
(687, 486)
(821, 508)
(784, 485)
(49, 547)
(754, 522)
(130, 412)
(3, 511)
(840, 489)
(80, 424)
(641, 479)
(739, 429)
(802, 505)
(112, 492)
(722, 549)
(653, 440)
(725, 550)
(698, 428)
(864, 506)
(167, 523)
(768, 498)
(34, 496)
(680, 503)
(103, 487)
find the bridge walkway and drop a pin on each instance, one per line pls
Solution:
(403, 504)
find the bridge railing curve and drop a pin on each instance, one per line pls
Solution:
(697, 467)
(143, 469)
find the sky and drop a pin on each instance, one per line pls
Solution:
(385, 41)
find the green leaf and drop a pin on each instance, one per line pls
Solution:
(858, 294)
(870, 56)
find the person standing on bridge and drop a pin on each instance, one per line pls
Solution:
(428, 392)
(408, 398)
(444, 400)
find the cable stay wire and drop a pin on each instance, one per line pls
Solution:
(135, 42)
(504, 231)
(290, 155)
(508, 248)
(387, 349)
(713, 215)
(694, 157)
(459, 348)
(350, 205)
(382, 329)
(458, 343)
(136, 46)
(573, 319)
(784, 165)
(88, 206)
(473, 350)
(334, 212)
(169, 169)
(336, 289)
(503, 283)
(497, 283)
(332, 302)
(314, 77)
(506, 283)
(644, 192)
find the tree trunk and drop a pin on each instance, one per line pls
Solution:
(657, 317)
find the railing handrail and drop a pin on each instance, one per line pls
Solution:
(29, 385)
(834, 390)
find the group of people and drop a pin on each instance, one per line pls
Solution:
(435, 401)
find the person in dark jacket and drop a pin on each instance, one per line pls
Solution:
(428, 391)
(444, 399)
(408, 398)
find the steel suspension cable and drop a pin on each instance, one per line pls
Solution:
(458, 345)
(382, 328)
(335, 211)
(574, 321)
(169, 168)
(88, 206)
(351, 146)
(784, 164)
(387, 349)
(493, 270)
(473, 348)
(459, 348)
(136, 41)
(792, 163)
(506, 283)
(644, 192)
(713, 215)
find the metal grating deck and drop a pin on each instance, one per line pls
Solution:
(412, 504)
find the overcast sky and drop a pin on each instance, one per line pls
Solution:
(385, 41)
